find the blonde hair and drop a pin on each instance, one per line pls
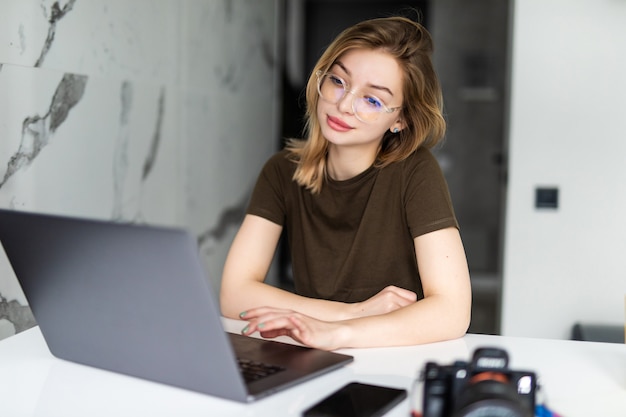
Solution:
(411, 45)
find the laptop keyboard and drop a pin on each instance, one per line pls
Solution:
(253, 370)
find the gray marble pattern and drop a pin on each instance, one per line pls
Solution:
(37, 130)
(153, 111)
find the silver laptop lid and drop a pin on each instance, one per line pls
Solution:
(129, 299)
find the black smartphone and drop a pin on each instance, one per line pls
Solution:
(357, 400)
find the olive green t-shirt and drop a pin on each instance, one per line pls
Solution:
(355, 237)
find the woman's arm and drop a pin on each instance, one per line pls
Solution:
(443, 314)
(246, 267)
(445, 311)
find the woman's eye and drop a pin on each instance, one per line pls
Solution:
(373, 102)
(335, 80)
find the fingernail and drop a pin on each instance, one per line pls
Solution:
(242, 314)
(260, 325)
(245, 329)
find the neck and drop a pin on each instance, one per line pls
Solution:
(343, 164)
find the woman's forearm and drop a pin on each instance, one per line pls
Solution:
(429, 320)
(236, 299)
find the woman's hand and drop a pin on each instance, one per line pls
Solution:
(389, 299)
(272, 322)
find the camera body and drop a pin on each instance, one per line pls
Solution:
(483, 387)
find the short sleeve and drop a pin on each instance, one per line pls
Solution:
(269, 194)
(427, 199)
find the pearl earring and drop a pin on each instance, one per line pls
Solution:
(395, 130)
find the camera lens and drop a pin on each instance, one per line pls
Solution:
(493, 408)
(490, 398)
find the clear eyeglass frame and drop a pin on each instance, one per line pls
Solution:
(363, 108)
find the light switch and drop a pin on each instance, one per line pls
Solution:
(547, 197)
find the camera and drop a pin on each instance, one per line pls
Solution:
(483, 387)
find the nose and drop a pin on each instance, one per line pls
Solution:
(345, 103)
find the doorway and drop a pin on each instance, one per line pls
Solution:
(471, 47)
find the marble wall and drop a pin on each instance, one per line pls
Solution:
(152, 111)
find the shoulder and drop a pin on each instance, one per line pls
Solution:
(419, 173)
(421, 156)
(280, 163)
(280, 158)
(421, 162)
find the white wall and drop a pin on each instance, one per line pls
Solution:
(567, 129)
(177, 115)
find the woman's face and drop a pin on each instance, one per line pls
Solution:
(373, 86)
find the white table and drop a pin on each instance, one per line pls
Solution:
(580, 379)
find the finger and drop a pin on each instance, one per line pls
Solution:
(274, 333)
(255, 313)
(267, 324)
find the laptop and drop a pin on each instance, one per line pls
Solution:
(135, 299)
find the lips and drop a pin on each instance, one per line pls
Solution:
(338, 124)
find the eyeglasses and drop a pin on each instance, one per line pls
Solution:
(366, 107)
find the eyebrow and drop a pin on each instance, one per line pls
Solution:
(377, 87)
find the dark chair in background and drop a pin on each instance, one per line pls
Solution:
(598, 333)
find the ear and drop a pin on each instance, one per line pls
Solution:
(397, 126)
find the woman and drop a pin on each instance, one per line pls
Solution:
(376, 251)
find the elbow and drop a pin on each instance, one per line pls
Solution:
(460, 321)
(464, 320)
(463, 317)
(457, 329)
(228, 312)
(464, 324)
(227, 308)
(223, 310)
